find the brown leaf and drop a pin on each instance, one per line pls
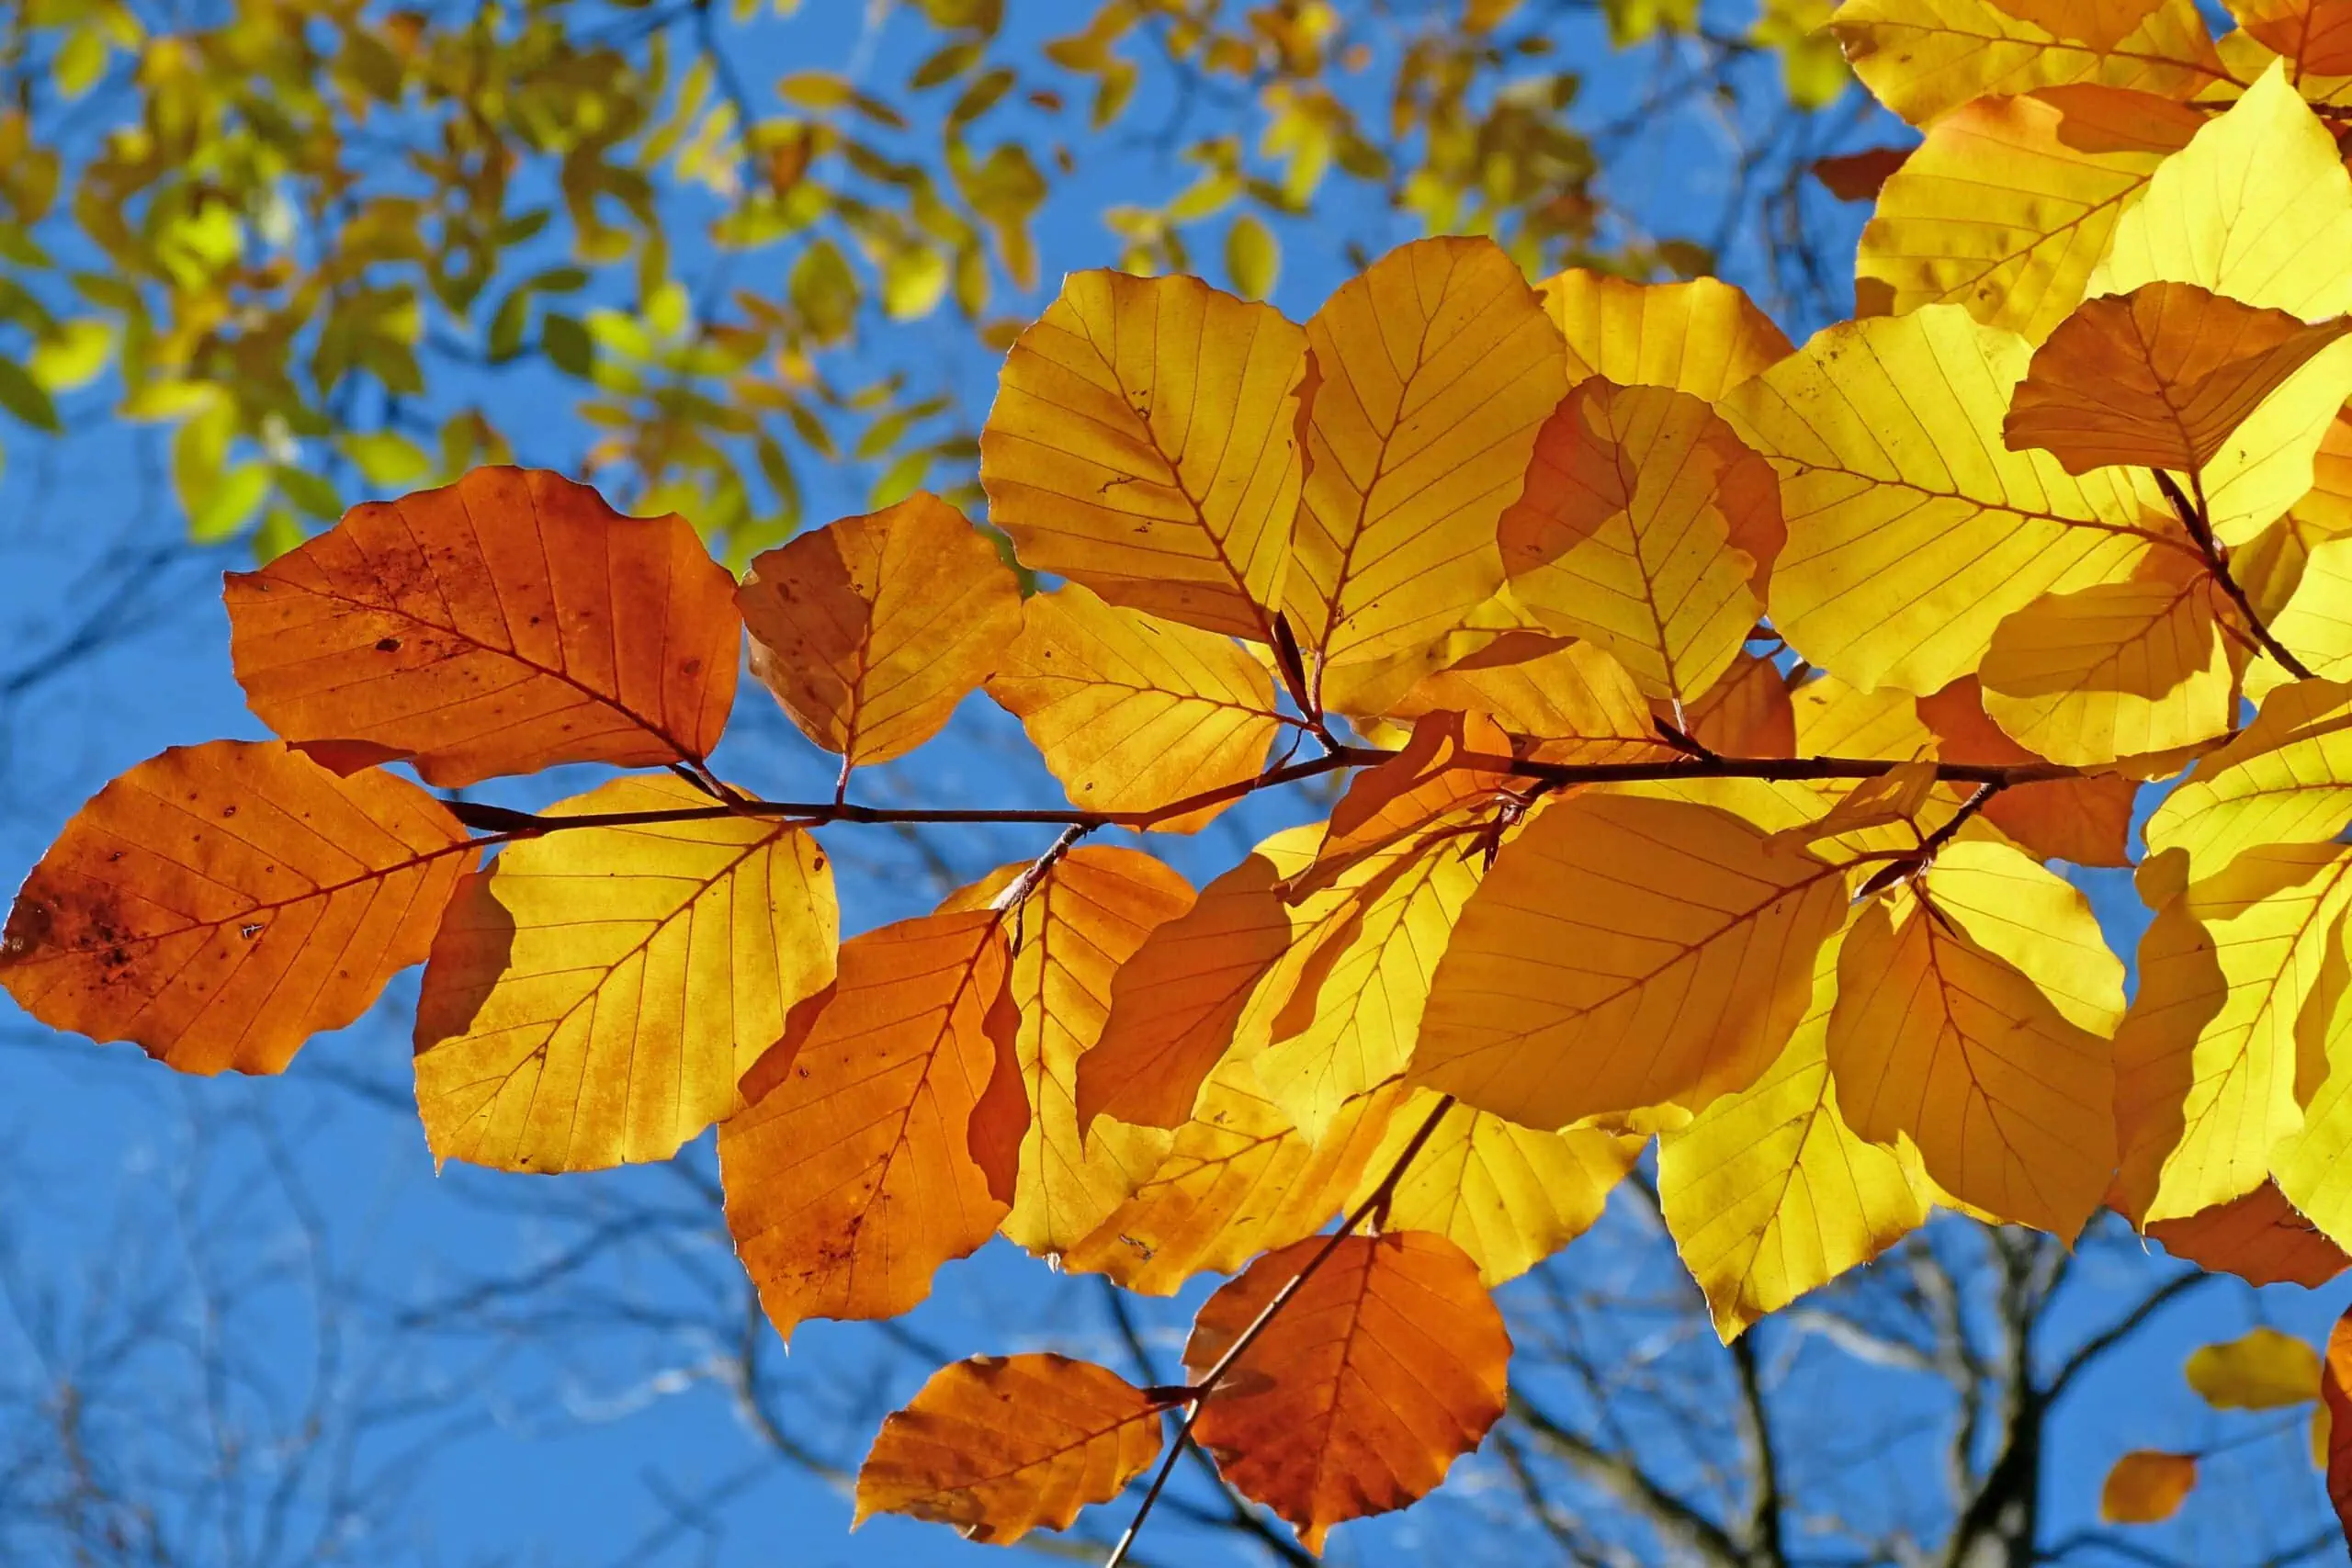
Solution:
(1856, 176)
(884, 1129)
(2086, 820)
(1388, 1365)
(220, 903)
(2336, 1394)
(502, 625)
(999, 1446)
(2258, 1237)
(870, 630)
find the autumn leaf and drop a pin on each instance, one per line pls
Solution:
(1625, 954)
(2315, 34)
(1433, 370)
(2086, 820)
(2257, 207)
(1912, 532)
(1132, 713)
(1922, 59)
(997, 1446)
(2009, 205)
(1769, 1193)
(1939, 1038)
(2316, 621)
(1746, 712)
(220, 903)
(1568, 702)
(1073, 927)
(884, 1129)
(1624, 534)
(1387, 1366)
(1144, 442)
(2146, 1488)
(2336, 1398)
(1702, 336)
(1508, 1196)
(870, 630)
(2285, 779)
(2259, 1237)
(1238, 1178)
(2260, 1369)
(596, 994)
(2097, 24)
(504, 624)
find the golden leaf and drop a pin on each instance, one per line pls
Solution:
(594, 996)
(870, 630)
(1702, 337)
(884, 1129)
(2287, 778)
(1568, 702)
(1625, 954)
(2086, 820)
(2260, 1369)
(2259, 1237)
(999, 1446)
(502, 625)
(1388, 1365)
(1073, 929)
(218, 905)
(1921, 58)
(1132, 713)
(1144, 442)
(1433, 371)
(2146, 1488)
(2315, 34)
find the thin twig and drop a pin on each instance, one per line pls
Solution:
(2196, 517)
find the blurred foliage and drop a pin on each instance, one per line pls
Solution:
(336, 247)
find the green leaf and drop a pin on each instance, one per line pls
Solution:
(565, 340)
(385, 458)
(22, 396)
(224, 512)
(278, 533)
(308, 491)
(824, 290)
(1253, 258)
(72, 357)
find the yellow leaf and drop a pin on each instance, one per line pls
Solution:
(1623, 534)
(219, 904)
(1897, 796)
(502, 625)
(2260, 1237)
(1144, 443)
(997, 1446)
(2328, 507)
(2007, 206)
(2206, 1060)
(1702, 337)
(1132, 713)
(2117, 669)
(1073, 929)
(1388, 1366)
(1912, 531)
(2037, 921)
(1433, 371)
(884, 1129)
(2257, 207)
(1625, 954)
(870, 630)
(2160, 378)
(1175, 1003)
(1253, 258)
(2146, 1488)
(2316, 624)
(1748, 712)
(1768, 1194)
(2287, 778)
(1431, 777)
(1507, 1195)
(1921, 58)
(2087, 821)
(2312, 1165)
(1238, 1178)
(1571, 703)
(594, 996)
(1937, 1038)
(2260, 1369)
(2097, 24)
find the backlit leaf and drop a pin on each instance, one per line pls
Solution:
(1921, 58)
(2315, 34)
(218, 905)
(504, 624)
(2287, 778)
(1433, 371)
(1144, 442)
(1912, 532)
(884, 1128)
(999, 1446)
(1702, 337)
(2258, 1237)
(1768, 1194)
(1571, 703)
(1625, 955)
(1131, 712)
(2316, 623)
(1385, 1366)
(2146, 1488)
(597, 993)
(870, 630)
(1073, 929)
(2260, 1369)
(2086, 820)
(2336, 1398)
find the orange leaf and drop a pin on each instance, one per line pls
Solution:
(2101, 24)
(2335, 1394)
(1144, 442)
(502, 625)
(1073, 929)
(2146, 1488)
(1387, 1366)
(2315, 34)
(2087, 821)
(884, 1128)
(594, 996)
(220, 903)
(999, 1446)
(1434, 369)
(2259, 1237)
(1746, 712)
(2159, 378)
(870, 630)
(1569, 700)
